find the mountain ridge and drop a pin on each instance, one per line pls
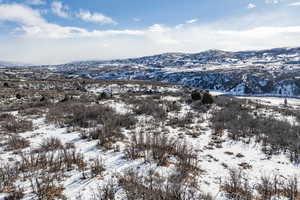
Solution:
(272, 71)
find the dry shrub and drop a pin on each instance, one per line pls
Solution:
(50, 144)
(241, 124)
(97, 167)
(278, 187)
(17, 125)
(8, 175)
(237, 187)
(148, 106)
(45, 188)
(31, 111)
(160, 148)
(85, 116)
(59, 161)
(16, 194)
(182, 121)
(16, 142)
(153, 187)
(6, 116)
(151, 147)
(171, 106)
(106, 192)
(110, 130)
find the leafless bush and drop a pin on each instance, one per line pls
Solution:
(106, 192)
(8, 175)
(150, 146)
(16, 194)
(31, 111)
(278, 187)
(241, 124)
(50, 144)
(60, 161)
(149, 107)
(106, 135)
(45, 188)
(16, 142)
(6, 116)
(88, 116)
(12, 124)
(182, 121)
(290, 189)
(266, 188)
(154, 187)
(110, 130)
(172, 106)
(187, 159)
(237, 187)
(97, 167)
(160, 148)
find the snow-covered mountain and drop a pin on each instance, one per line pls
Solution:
(263, 72)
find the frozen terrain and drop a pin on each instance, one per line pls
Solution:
(118, 120)
(273, 72)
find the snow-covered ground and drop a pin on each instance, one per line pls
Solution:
(267, 100)
(215, 157)
(215, 154)
(276, 101)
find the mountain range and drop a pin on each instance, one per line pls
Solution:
(274, 72)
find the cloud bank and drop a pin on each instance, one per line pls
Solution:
(38, 41)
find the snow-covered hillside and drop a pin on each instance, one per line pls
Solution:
(272, 72)
(131, 140)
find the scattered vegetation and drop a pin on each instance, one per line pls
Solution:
(237, 186)
(142, 133)
(12, 124)
(242, 123)
(154, 187)
(161, 148)
(16, 142)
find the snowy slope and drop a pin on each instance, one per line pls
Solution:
(274, 71)
(215, 154)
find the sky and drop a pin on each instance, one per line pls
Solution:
(61, 31)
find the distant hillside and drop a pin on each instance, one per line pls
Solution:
(264, 72)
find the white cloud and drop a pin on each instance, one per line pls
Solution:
(35, 2)
(95, 17)
(35, 26)
(251, 6)
(295, 4)
(191, 21)
(60, 9)
(20, 13)
(42, 42)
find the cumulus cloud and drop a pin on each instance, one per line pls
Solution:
(35, 26)
(95, 17)
(191, 21)
(20, 13)
(251, 6)
(60, 9)
(295, 4)
(43, 42)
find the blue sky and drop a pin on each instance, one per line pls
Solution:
(58, 31)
